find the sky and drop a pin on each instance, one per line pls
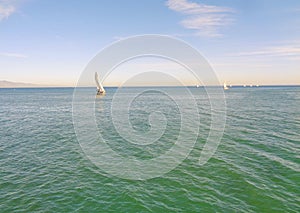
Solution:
(246, 42)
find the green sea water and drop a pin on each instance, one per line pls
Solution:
(255, 168)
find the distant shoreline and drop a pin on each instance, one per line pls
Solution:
(4, 84)
(192, 86)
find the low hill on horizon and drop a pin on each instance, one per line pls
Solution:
(11, 84)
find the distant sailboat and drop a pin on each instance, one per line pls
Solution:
(100, 89)
(225, 86)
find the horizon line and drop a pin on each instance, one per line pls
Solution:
(139, 86)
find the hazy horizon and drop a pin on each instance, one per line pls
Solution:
(13, 85)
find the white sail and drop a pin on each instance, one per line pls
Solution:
(225, 86)
(99, 85)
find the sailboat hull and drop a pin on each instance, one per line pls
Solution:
(100, 92)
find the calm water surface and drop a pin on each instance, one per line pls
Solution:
(255, 169)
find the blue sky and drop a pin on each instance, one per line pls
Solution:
(246, 42)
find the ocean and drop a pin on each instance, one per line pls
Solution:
(256, 167)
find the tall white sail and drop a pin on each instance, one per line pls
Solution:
(100, 88)
(225, 86)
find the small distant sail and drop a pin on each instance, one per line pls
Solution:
(100, 89)
(225, 86)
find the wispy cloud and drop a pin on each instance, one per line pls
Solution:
(14, 55)
(119, 37)
(289, 51)
(273, 51)
(206, 20)
(295, 10)
(7, 7)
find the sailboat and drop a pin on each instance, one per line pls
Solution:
(225, 87)
(100, 89)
